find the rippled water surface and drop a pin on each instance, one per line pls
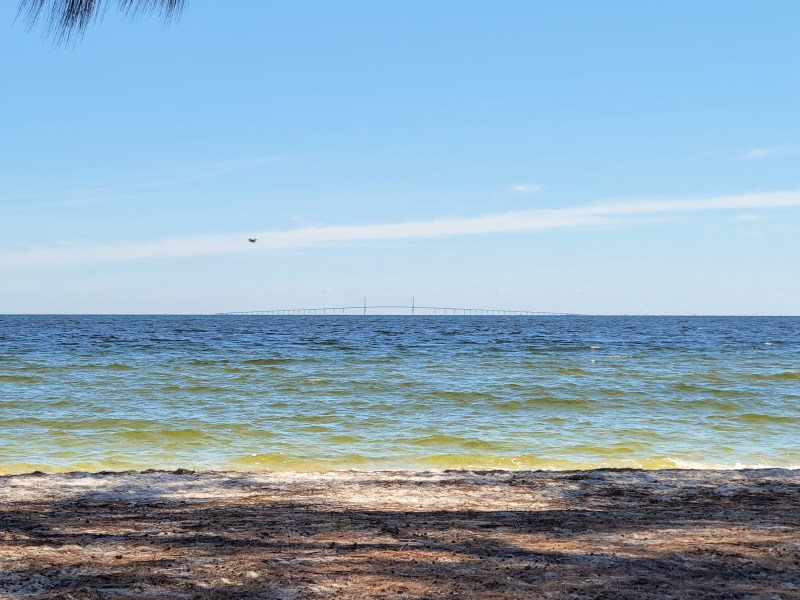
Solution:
(308, 393)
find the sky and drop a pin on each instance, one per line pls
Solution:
(618, 157)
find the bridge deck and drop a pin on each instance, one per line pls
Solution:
(396, 309)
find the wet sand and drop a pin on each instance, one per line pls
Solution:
(590, 534)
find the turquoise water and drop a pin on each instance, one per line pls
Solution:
(310, 393)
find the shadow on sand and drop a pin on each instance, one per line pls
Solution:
(610, 541)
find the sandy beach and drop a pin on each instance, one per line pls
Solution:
(583, 534)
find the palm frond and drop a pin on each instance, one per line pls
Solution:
(67, 18)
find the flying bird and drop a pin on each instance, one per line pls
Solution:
(252, 240)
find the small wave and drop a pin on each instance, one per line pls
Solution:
(705, 378)
(186, 434)
(559, 402)
(547, 401)
(345, 439)
(711, 391)
(103, 424)
(317, 418)
(196, 389)
(463, 396)
(595, 450)
(787, 375)
(764, 418)
(439, 440)
(717, 403)
(487, 461)
(678, 463)
(780, 376)
(330, 343)
(268, 361)
(27, 379)
(202, 362)
(571, 371)
(282, 461)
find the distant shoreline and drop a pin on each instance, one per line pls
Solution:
(331, 314)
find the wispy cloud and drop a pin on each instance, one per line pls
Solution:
(749, 217)
(526, 188)
(601, 215)
(756, 153)
(134, 186)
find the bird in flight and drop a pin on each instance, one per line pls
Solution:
(252, 240)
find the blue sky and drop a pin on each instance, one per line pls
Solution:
(602, 158)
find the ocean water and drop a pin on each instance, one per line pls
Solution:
(360, 392)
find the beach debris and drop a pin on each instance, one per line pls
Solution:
(497, 535)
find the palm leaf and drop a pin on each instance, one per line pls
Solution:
(66, 18)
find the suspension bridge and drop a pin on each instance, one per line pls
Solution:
(394, 309)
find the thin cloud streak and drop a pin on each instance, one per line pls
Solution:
(132, 186)
(756, 153)
(527, 188)
(602, 215)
